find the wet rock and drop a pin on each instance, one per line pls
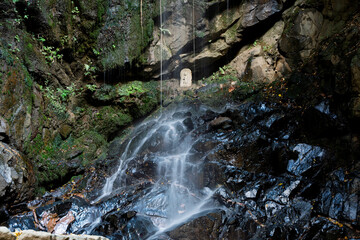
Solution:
(15, 177)
(336, 205)
(355, 70)
(209, 115)
(206, 227)
(4, 130)
(351, 210)
(221, 122)
(188, 123)
(123, 225)
(204, 146)
(308, 158)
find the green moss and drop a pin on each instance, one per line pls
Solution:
(131, 37)
(105, 93)
(110, 119)
(90, 143)
(50, 159)
(133, 88)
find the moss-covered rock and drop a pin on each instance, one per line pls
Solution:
(111, 119)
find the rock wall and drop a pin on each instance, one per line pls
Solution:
(53, 111)
(64, 65)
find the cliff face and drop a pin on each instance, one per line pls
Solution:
(64, 64)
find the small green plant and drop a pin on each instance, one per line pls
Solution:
(91, 87)
(17, 20)
(13, 48)
(58, 106)
(75, 11)
(17, 38)
(255, 43)
(224, 75)
(165, 31)
(96, 52)
(64, 40)
(41, 39)
(58, 97)
(51, 54)
(90, 70)
(267, 48)
(200, 34)
(67, 92)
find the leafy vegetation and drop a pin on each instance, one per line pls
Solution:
(51, 54)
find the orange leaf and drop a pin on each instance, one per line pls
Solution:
(231, 89)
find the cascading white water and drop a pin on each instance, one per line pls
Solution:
(175, 195)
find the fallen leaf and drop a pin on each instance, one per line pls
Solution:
(231, 89)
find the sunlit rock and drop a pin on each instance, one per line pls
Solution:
(13, 174)
(4, 129)
(5, 234)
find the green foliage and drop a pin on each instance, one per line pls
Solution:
(105, 93)
(91, 87)
(17, 38)
(58, 98)
(96, 52)
(90, 70)
(200, 34)
(165, 31)
(67, 92)
(51, 54)
(64, 40)
(132, 88)
(75, 11)
(223, 75)
(41, 39)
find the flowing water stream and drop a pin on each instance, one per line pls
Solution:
(174, 197)
(169, 141)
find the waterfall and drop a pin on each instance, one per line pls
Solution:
(168, 141)
(175, 195)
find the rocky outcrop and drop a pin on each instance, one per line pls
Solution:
(219, 29)
(16, 176)
(5, 234)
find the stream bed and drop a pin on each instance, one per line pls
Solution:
(240, 171)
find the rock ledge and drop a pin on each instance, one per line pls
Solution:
(5, 234)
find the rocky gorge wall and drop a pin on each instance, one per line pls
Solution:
(65, 67)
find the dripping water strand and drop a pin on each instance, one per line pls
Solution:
(227, 11)
(161, 59)
(194, 37)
